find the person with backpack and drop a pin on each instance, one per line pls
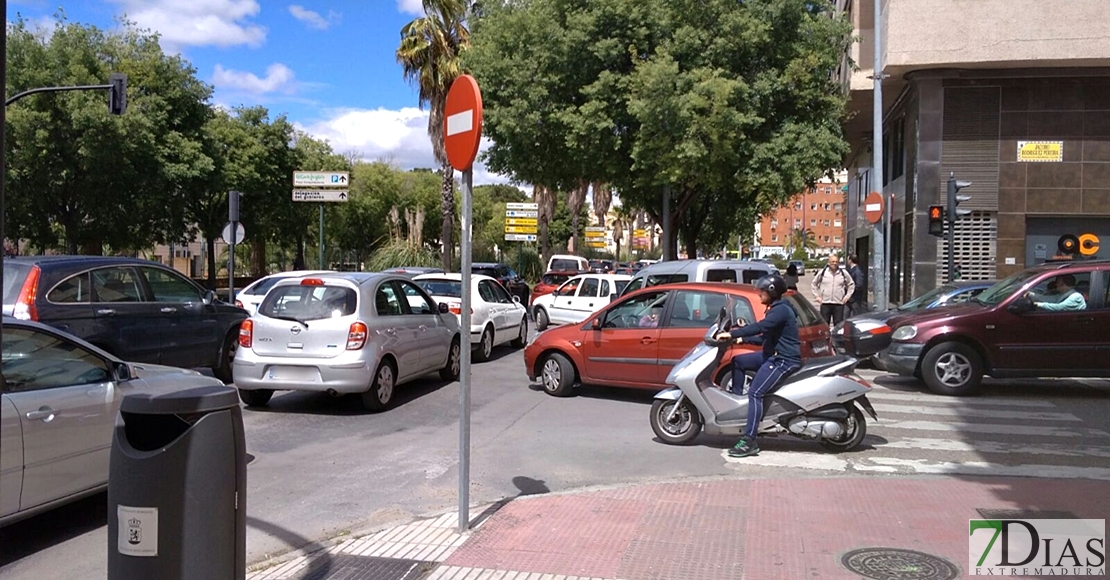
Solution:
(833, 288)
(857, 304)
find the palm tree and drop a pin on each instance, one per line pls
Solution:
(545, 198)
(429, 53)
(575, 198)
(801, 242)
(603, 198)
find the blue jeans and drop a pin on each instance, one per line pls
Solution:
(769, 372)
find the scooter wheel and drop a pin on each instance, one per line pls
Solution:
(854, 434)
(680, 429)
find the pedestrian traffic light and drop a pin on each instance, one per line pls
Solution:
(233, 206)
(117, 93)
(936, 220)
(954, 186)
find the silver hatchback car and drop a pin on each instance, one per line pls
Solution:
(356, 332)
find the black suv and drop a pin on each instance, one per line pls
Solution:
(138, 310)
(507, 276)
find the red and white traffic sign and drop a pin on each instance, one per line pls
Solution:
(462, 122)
(873, 207)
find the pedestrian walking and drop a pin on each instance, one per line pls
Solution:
(791, 277)
(857, 304)
(833, 288)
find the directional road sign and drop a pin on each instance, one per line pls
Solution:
(521, 222)
(339, 195)
(522, 213)
(462, 122)
(525, 206)
(321, 179)
(520, 229)
(593, 232)
(520, 237)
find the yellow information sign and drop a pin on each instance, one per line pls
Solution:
(598, 233)
(521, 221)
(520, 229)
(1043, 151)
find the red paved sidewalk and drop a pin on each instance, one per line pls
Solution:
(760, 529)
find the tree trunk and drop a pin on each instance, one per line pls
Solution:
(258, 258)
(690, 240)
(447, 206)
(210, 243)
(298, 259)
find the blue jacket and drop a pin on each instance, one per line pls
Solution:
(777, 332)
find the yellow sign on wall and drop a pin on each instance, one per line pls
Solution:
(1045, 151)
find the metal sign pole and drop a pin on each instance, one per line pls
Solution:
(321, 236)
(464, 373)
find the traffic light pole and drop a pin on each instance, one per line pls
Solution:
(879, 251)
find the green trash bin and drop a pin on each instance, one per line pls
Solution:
(177, 487)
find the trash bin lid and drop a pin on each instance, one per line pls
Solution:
(195, 400)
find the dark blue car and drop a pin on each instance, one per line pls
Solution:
(956, 292)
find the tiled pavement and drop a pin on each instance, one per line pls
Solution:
(731, 529)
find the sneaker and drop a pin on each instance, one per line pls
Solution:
(744, 448)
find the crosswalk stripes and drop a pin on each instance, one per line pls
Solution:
(923, 433)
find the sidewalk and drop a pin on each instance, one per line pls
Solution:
(726, 529)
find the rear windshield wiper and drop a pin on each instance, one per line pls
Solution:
(292, 319)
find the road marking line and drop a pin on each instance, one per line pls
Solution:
(791, 459)
(984, 413)
(879, 393)
(1026, 430)
(884, 464)
(1053, 449)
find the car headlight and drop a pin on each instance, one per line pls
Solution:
(906, 332)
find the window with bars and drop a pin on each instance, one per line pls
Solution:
(974, 245)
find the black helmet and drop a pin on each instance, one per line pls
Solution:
(773, 284)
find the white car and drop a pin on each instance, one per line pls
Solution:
(250, 297)
(578, 298)
(496, 318)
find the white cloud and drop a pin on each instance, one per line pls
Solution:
(398, 137)
(183, 23)
(415, 7)
(313, 19)
(279, 79)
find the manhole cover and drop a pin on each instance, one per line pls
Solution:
(898, 564)
(345, 567)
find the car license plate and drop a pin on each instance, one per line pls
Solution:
(290, 373)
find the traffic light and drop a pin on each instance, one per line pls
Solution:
(233, 206)
(936, 220)
(117, 93)
(954, 186)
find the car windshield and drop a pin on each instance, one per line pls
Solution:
(296, 302)
(449, 288)
(620, 284)
(926, 298)
(1003, 289)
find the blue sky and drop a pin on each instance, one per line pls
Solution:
(328, 65)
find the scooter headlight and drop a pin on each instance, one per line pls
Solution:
(906, 332)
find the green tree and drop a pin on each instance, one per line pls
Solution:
(729, 104)
(802, 242)
(429, 53)
(80, 179)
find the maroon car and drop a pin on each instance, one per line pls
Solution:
(1051, 320)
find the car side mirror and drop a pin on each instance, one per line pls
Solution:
(516, 298)
(555, 292)
(209, 297)
(443, 308)
(596, 324)
(1021, 306)
(123, 372)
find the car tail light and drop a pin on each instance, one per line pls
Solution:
(246, 333)
(456, 308)
(239, 303)
(356, 336)
(25, 305)
(312, 282)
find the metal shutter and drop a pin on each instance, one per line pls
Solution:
(975, 247)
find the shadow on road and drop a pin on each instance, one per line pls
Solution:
(525, 486)
(312, 403)
(57, 526)
(641, 396)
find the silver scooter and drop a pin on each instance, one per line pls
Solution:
(820, 401)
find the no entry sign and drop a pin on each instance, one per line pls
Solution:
(462, 122)
(873, 207)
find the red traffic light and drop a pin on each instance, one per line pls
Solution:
(936, 220)
(935, 212)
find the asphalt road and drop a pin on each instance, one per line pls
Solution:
(321, 467)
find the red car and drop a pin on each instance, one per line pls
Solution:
(637, 339)
(550, 281)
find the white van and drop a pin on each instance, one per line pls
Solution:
(567, 263)
(675, 271)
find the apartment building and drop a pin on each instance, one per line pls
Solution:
(1012, 95)
(820, 210)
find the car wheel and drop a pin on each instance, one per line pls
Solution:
(952, 368)
(380, 394)
(451, 371)
(541, 319)
(855, 431)
(256, 397)
(485, 346)
(557, 375)
(223, 370)
(522, 338)
(679, 429)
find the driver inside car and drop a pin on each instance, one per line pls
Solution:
(1070, 298)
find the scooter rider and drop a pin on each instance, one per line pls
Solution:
(782, 355)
